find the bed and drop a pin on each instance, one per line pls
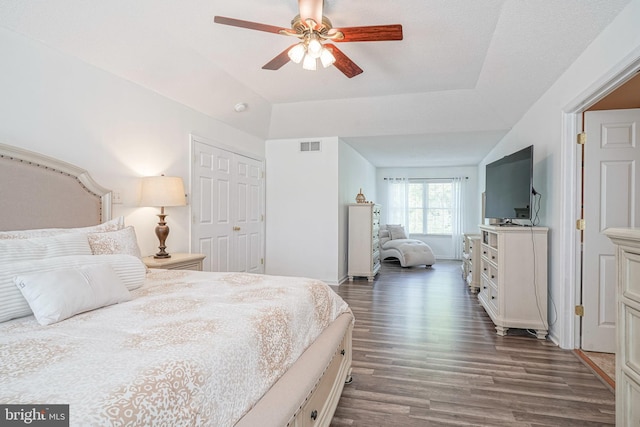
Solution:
(150, 347)
(394, 244)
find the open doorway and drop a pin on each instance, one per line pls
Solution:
(607, 182)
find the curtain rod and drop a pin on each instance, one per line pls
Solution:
(465, 177)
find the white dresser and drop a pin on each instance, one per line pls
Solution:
(628, 326)
(364, 250)
(513, 277)
(471, 261)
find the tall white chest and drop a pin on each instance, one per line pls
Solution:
(627, 241)
(364, 249)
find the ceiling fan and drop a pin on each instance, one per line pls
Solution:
(315, 33)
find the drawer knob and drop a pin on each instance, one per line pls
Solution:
(492, 297)
(493, 277)
(314, 414)
(236, 228)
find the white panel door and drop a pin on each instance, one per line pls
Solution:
(212, 229)
(611, 182)
(227, 209)
(248, 219)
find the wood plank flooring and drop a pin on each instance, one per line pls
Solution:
(426, 354)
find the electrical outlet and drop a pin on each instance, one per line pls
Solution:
(116, 198)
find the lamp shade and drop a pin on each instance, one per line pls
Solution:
(162, 191)
(297, 52)
(309, 63)
(326, 57)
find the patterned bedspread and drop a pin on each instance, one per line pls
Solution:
(190, 348)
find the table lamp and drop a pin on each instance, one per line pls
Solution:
(162, 191)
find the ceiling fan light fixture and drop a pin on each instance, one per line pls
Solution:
(314, 48)
(296, 53)
(326, 57)
(309, 63)
(313, 30)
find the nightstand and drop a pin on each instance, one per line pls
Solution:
(176, 262)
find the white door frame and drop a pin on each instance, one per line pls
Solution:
(571, 190)
(192, 142)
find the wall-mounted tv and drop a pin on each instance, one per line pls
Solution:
(509, 186)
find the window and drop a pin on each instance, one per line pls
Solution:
(430, 207)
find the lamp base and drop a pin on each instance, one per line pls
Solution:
(161, 255)
(162, 231)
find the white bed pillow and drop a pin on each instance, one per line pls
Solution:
(387, 226)
(129, 269)
(111, 225)
(57, 295)
(397, 232)
(115, 242)
(15, 250)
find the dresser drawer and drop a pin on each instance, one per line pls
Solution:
(485, 268)
(493, 300)
(493, 274)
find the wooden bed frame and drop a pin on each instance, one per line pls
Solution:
(37, 191)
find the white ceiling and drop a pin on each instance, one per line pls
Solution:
(464, 74)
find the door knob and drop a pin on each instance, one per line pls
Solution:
(236, 228)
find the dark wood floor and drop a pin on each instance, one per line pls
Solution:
(426, 354)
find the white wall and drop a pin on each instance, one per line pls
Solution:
(56, 105)
(306, 207)
(355, 174)
(543, 127)
(442, 246)
(302, 209)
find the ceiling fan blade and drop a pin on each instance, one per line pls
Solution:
(343, 63)
(373, 33)
(310, 9)
(277, 62)
(248, 24)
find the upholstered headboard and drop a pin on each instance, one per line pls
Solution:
(37, 191)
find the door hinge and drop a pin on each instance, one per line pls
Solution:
(262, 261)
(261, 217)
(582, 138)
(579, 310)
(580, 225)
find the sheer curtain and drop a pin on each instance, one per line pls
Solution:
(398, 207)
(398, 201)
(457, 212)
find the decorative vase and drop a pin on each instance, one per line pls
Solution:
(360, 197)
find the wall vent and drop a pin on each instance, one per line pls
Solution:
(310, 146)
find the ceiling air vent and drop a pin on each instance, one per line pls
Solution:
(310, 146)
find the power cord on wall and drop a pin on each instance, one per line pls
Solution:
(534, 222)
(537, 199)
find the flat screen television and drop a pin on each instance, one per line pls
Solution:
(509, 186)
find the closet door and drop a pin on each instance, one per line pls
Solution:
(248, 223)
(227, 223)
